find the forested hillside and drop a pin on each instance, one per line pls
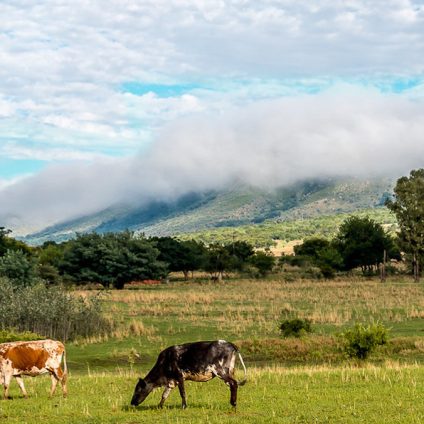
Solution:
(239, 205)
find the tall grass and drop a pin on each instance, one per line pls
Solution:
(256, 307)
(50, 312)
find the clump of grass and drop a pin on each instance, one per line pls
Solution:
(295, 327)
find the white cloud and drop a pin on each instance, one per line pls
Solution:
(344, 131)
(64, 65)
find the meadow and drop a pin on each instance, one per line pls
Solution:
(307, 380)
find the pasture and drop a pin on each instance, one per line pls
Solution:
(304, 380)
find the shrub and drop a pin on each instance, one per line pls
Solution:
(14, 336)
(360, 341)
(51, 312)
(295, 327)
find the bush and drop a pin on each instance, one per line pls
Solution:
(295, 327)
(18, 268)
(360, 341)
(51, 312)
(13, 336)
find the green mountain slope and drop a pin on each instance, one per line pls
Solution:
(236, 206)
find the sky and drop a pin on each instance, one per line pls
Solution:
(112, 101)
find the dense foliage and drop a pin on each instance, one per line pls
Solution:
(408, 206)
(19, 268)
(361, 341)
(111, 259)
(51, 312)
(362, 242)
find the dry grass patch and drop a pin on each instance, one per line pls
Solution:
(257, 306)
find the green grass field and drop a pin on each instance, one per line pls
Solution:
(279, 395)
(306, 380)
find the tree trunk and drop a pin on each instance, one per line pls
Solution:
(383, 267)
(416, 268)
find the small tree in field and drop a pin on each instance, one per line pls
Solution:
(361, 341)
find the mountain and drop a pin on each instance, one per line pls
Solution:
(238, 205)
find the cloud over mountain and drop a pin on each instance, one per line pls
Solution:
(343, 131)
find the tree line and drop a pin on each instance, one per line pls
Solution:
(114, 259)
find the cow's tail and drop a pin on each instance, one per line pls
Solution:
(65, 368)
(242, 382)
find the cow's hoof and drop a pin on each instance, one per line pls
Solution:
(184, 406)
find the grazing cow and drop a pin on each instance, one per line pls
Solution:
(32, 358)
(200, 361)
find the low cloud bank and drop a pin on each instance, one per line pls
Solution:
(341, 132)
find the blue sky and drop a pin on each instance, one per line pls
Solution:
(86, 83)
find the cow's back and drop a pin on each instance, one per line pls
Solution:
(31, 357)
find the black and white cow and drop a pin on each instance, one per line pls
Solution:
(199, 361)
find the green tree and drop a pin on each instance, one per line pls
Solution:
(51, 253)
(240, 251)
(193, 256)
(321, 253)
(311, 247)
(180, 256)
(4, 240)
(263, 261)
(408, 207)
(9, 243)
(218, 260)
(361, 242)
(112, 259)
(18, 268)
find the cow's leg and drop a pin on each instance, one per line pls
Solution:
(54, 384)
(228, 376)
(233, 390)
(181, 388)
(63, 378)
(59, 375)
(20, 382)
(165, 395)
(7, 378)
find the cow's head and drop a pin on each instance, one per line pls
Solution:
(142, 390)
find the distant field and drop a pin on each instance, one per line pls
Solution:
(306, 380)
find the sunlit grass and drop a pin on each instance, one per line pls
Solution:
(370, 394)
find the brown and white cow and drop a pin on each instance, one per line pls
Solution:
(32, 358)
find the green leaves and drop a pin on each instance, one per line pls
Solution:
(360, 341)
(112, 259)
(361, 242)
(408, 206)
